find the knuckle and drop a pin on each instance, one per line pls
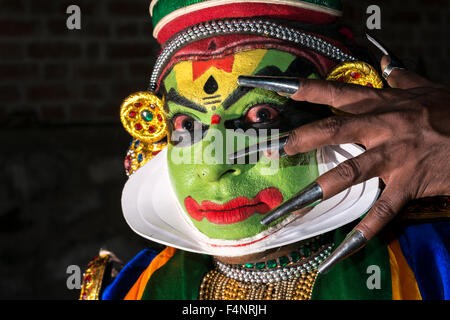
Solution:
(348, 170)
(383, 209)
(330, 126)
(294, 142)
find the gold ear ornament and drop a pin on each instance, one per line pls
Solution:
(357, 72)
(143, 118)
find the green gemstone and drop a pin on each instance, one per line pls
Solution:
(294, 256)
(283, 261)
(147, 115)
(248, 265)
(271, 264)
(307, 252)
(260, 265)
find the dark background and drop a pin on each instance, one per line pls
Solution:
(61, 161)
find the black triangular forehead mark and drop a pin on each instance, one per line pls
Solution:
(211, 85)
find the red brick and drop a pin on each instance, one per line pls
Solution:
(9, 93)
(94, 92)
(58, 27)
(130, 29)
(96, 29)
(14, 28)
(411, 17)
(19, 71)
(140, 70)
(13, 6)
(100, 71)
(11, 51)
(82, 112)
(54, 50)
(129, 8)
(129, 51)
(56, 70)
(88, 7)
(46, 92)
(427, 3)
(92, 50)
(53, 113)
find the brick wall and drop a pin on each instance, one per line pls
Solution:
(54, 75)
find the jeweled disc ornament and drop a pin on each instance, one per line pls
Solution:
(142, 116)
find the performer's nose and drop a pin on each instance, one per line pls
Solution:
(213, 173)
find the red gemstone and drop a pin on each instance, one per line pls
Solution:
(159, 118)
(355, 75)
(155, 153)
(127, 163)
(341, 79)
(151, 129)
(138, 126)
(137, 104)
(369, 85)
(132, 114)
(215, 119)
(87, 278)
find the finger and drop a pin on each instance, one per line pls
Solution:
(351, 172)
(333, 131)
(336, 94)
(386, 207)
(384, 210)
(404, 79)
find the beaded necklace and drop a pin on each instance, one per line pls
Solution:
(285, 278)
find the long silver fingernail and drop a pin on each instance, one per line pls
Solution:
(276, 143)
(312, 193)
(354, 241)
(287, 85)
(395, 62)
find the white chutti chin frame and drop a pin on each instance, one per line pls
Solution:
(152, 210)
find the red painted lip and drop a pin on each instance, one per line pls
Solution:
(235, 210)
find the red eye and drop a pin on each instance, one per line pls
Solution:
(261, 113)
(186, 123)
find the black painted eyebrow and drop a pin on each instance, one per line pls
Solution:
(239, 92)
(178, 99)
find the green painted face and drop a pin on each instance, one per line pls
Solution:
(223, 200)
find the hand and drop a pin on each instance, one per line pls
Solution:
(405, 130)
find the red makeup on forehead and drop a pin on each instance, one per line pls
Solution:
(215, 119)
(201, 66)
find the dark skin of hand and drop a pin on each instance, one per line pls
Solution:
(406, 132)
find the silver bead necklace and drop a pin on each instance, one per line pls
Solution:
(278, 274)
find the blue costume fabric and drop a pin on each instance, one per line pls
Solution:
(426, 249)
(129, 275)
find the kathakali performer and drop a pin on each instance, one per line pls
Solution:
(197, 186)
